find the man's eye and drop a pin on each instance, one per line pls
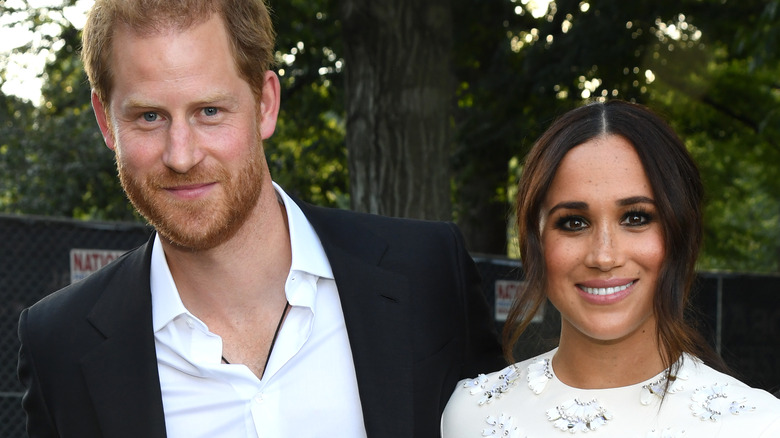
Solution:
(150, 117)
(210, 111)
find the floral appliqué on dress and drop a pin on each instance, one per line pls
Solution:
(507, 379)
(500, 426)
(708, 403)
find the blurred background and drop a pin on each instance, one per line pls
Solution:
(426, 109)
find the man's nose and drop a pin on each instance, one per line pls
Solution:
(182, 151)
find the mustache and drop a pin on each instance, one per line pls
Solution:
(197, 175)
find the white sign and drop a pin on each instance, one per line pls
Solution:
(505, 293)
(86, 261)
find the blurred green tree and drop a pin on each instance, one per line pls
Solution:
(709, 66)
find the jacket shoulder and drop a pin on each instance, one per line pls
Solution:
(75, 301)
(346, 222)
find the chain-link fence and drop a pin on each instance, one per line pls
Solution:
(739, 313)
(36, 260)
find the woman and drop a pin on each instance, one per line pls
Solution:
(609, 221)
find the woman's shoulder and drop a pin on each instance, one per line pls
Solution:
(486, 388)
(700, 376)
(715, 397)
(526, 400)
(479, 403)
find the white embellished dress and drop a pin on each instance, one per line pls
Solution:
(526, 400)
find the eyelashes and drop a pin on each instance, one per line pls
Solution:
(634, 218)
(637, 217)
(570, 223)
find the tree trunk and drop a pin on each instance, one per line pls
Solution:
(399, 92)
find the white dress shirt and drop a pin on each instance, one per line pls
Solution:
(309, 387)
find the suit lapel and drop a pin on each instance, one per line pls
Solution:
(121, 372)
(377, 316)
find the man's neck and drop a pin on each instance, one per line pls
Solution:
(245, 272)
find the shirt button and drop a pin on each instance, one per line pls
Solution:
(259, 398)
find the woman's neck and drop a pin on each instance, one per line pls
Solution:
(584, 362)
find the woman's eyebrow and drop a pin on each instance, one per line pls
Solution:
(634, 200)
(580, 205)
(569, 205)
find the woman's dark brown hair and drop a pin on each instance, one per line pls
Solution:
(678, 193)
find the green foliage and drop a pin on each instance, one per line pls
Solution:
(730, 124)
(713, 77)
(307, 154)
(53, 160)
(52, 157)
(709, 66)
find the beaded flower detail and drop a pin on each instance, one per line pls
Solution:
(501, 427)
(656, 389)
(711, 403)
(506, 379)
(576, 416)
(539, 373)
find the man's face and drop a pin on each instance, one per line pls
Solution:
(186, 130)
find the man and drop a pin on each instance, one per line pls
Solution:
(248, 313)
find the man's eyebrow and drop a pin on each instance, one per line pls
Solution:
(216, 97)
(137, 103)
(205, 101)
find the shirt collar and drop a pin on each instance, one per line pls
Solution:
(166, 302)
(308, 257)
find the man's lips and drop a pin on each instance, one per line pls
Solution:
(189, 190)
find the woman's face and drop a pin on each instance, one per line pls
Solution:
(603, 242)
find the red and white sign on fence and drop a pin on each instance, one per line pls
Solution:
(505, 293)
(86, 261)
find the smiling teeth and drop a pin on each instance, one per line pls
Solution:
(605, 290)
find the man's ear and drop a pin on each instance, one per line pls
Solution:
(102, 119)
(269, 104)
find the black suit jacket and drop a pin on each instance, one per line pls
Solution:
(415, 316)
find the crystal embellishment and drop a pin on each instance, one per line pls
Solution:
(501, 427)
(652, 389)
(507, 378)
(576, 416)
(711, 403)
(539, 373)
(666, 433)
(656, 388)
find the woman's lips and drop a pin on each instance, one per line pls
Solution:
(606, 291)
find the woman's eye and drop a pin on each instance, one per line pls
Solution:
(636, 219)
(210, 111)
(575, 224)
(571, 223)
(150, 117)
